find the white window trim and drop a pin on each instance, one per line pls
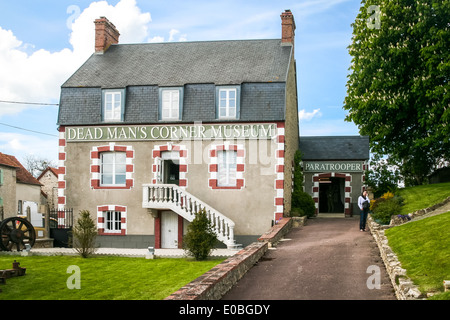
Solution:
(227, 106)
(175, 113)
(115, 117)
(174, 110)
(228, 168)
(113, 184)
(114, 222)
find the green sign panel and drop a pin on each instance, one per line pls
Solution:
(171, 132)
(332, 166)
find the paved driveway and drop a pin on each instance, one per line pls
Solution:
(327, 259)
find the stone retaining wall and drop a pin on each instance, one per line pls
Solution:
(395, 221)
(403, 286)
(219, 280)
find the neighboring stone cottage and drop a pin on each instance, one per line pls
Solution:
(19, 190)
(49, 180)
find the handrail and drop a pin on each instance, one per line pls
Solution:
(171, 196)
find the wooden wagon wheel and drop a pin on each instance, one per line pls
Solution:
(16, 232)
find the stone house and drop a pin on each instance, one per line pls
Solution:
(19, 190)
(152, 133)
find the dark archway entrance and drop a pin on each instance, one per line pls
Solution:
(331, 195)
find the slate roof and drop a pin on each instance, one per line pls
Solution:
(334, 148)
(180, 63)
(22, 175)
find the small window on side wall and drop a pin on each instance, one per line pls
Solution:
(228, 102)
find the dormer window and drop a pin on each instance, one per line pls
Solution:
(113, 109)
(170, 104)
(228, 102)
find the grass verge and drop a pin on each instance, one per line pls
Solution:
(101, 278)
(422, 248)
(421, 197)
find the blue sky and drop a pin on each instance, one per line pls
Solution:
(42, 42)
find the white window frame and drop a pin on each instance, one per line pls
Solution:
(227, 101)
(171, 103)
(113, 221)
(115, 115)
(226, 168)
(114, 172)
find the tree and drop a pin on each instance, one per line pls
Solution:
(398, 91)
(302, 202)
(200, 239)
(36, 165)
(84, 234)
(382, 177)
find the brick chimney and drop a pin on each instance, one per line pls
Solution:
(287, 28)
(106, 34)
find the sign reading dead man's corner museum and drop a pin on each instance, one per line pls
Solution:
(332, 166)
(171, 132)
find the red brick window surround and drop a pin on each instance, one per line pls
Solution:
(183, 160)
(238, 165)
(112, 220)
(96, 166)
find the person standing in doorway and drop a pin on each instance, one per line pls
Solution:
(364, 206)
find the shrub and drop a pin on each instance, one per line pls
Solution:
(302, 204)
(200, 239)
(384, 209)
(388, 195)
(84, 234)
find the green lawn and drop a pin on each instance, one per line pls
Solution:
(101, 278)
(422, 248)
(421, 197)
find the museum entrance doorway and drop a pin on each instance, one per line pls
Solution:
(331, 195)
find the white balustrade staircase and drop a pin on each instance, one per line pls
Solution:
(172, 197)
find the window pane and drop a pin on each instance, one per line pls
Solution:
(175, 97)
(120, 169)
(113, 168)
(113, 106)
(232, 94)
(107, 179)
(231, 157)
(107, 168)
(165, 96)
(226, 161)
(120, 157)
(113, 220)
(107, 157)
(170, 104)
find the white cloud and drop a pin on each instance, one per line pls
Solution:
(126, 16)
(38, 76)
(307, 116)
(21, 145)
(30, 75)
